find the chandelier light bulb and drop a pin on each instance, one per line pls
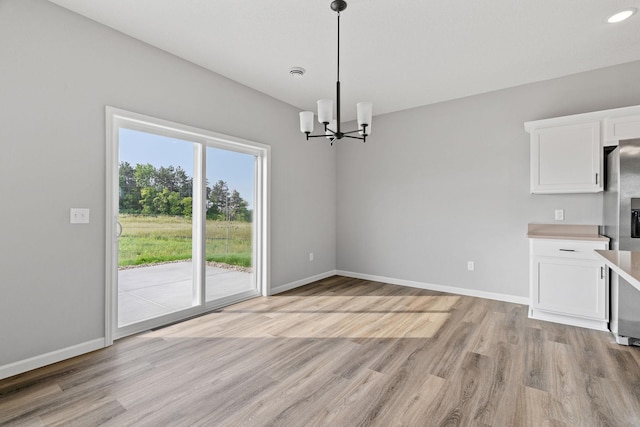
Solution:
(325, 110)
(306, 121)
(365, 112)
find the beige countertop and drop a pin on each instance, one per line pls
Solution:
(625, 263)
(565, 232)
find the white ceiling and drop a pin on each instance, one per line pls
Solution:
(397, 54)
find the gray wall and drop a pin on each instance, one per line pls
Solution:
(57, 72)
(448, 183)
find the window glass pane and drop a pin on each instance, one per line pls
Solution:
(229, 224)
(155, 275)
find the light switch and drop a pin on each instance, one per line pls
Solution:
(79, 216)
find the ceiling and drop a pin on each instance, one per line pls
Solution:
(398, 54)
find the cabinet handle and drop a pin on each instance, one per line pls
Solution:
(596, 179)
(602, 272)
(568, 250)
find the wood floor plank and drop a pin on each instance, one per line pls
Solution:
(497, 401)
(537, 363)
(342, 352)
(458, 403)
(565, 382)
(412, 398)
(358, 404)
(13, 404)
(490, 333)
(295, 378)
(535, 408)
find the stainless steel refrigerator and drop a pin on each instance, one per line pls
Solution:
(621, 216)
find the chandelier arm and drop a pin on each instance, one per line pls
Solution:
(321, 136)
(353, 131)
(356, 137)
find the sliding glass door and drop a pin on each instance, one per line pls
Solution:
(187, 212)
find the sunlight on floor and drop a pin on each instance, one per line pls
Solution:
(372, 317)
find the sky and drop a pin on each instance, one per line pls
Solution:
(235, 168)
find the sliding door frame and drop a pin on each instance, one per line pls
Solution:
(115, 120)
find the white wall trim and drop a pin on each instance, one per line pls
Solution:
(35, 362)
(301, 282)
(439, 288)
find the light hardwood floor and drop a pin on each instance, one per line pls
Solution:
(342, 352)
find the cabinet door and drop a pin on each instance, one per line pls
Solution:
(627, 127)
(566, 159)
(569, 286)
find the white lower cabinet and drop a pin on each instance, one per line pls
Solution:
(569, 283)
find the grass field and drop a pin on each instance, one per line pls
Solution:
(148, 240)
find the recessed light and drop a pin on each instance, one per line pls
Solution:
(296, 72)
(621, 16)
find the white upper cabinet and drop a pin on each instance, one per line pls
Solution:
(627, 127)
(566, 159)
(566, 152)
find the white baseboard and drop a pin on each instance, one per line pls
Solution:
(301, 282)
(599, 325)
(439, 288)
(35, 362)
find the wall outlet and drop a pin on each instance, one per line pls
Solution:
(310, 256)
(559, 214)
(471, 265)
(78, 216)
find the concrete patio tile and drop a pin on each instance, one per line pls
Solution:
(175, 296)
(151, 291)
(133, 309)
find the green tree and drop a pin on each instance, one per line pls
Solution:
(147, 196)
(218, 200)
(187, 206)
(183, 183)
(237, 207)
(173, 200)
(145, 175)
(129, 190)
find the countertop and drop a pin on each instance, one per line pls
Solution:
(625, 263)
(565, 232)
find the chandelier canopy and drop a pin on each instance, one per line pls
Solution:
(332, 127)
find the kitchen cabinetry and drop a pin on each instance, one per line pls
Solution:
(566, 152)
(569, 282)
(566, 159)
(627, 127)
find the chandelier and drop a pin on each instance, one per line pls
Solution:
(332, 127)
